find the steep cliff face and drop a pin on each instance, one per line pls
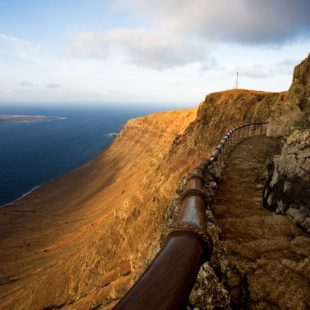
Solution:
(216, 115)
(295, 106)
(81, 240)
(288, 185)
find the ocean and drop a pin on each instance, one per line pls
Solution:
(36, 152)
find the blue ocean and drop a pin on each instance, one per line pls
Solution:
(35, 152)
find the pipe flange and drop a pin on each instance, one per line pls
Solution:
(197, 175)
(202, 234)
(194, 192)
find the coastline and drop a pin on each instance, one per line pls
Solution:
(22, 196)
(32, 190)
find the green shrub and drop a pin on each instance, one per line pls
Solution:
(269, 164)
(303, 123)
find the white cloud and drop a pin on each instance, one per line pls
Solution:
(154, 49)
(249, 21)
(210, 64)
(182, 32)
(53, 85)
(264, 70)
(33, 72)
(89, 44)
(252, 71)
(22, 48)
(27, 84)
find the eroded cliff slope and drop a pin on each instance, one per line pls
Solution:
(82, 238)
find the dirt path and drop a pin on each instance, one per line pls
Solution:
(268, 256)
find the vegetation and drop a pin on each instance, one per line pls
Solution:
(303, 123)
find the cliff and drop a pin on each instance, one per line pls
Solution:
(287, 188)
(83, 237)
(219, 113)
(295, 106)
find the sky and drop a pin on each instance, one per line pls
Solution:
(147, 51)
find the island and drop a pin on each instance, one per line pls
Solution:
(24, 118)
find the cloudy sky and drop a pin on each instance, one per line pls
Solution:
(147, 51)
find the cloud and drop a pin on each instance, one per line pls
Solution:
(52, 85)
(285, 66)
(245, 21)
(263, 70)
(252, 71)
(27, 84)
(19, 43)
(154, 49)
(209, 64)
(181, 32)
(21, 47)
(89, 44)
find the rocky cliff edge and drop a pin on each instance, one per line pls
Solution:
(288, 186)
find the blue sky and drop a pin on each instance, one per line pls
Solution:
(141, 51)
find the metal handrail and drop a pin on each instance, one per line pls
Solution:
(168, 281)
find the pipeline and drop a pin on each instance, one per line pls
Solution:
(169, 279)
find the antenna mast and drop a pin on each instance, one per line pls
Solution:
(237, 81)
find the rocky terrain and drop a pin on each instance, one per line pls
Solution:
(287, 190)
(80, 241)
(259, 257)
(288, 186)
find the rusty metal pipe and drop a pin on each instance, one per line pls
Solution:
(194, 182)
(193, 212)
(193, 206)
(168, 281)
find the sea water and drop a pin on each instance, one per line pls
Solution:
(35, 152)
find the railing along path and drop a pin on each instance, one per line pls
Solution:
(168, 281)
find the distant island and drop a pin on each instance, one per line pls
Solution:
(25, 118)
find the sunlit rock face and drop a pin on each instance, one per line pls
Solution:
(82, 239)
(295, 106)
